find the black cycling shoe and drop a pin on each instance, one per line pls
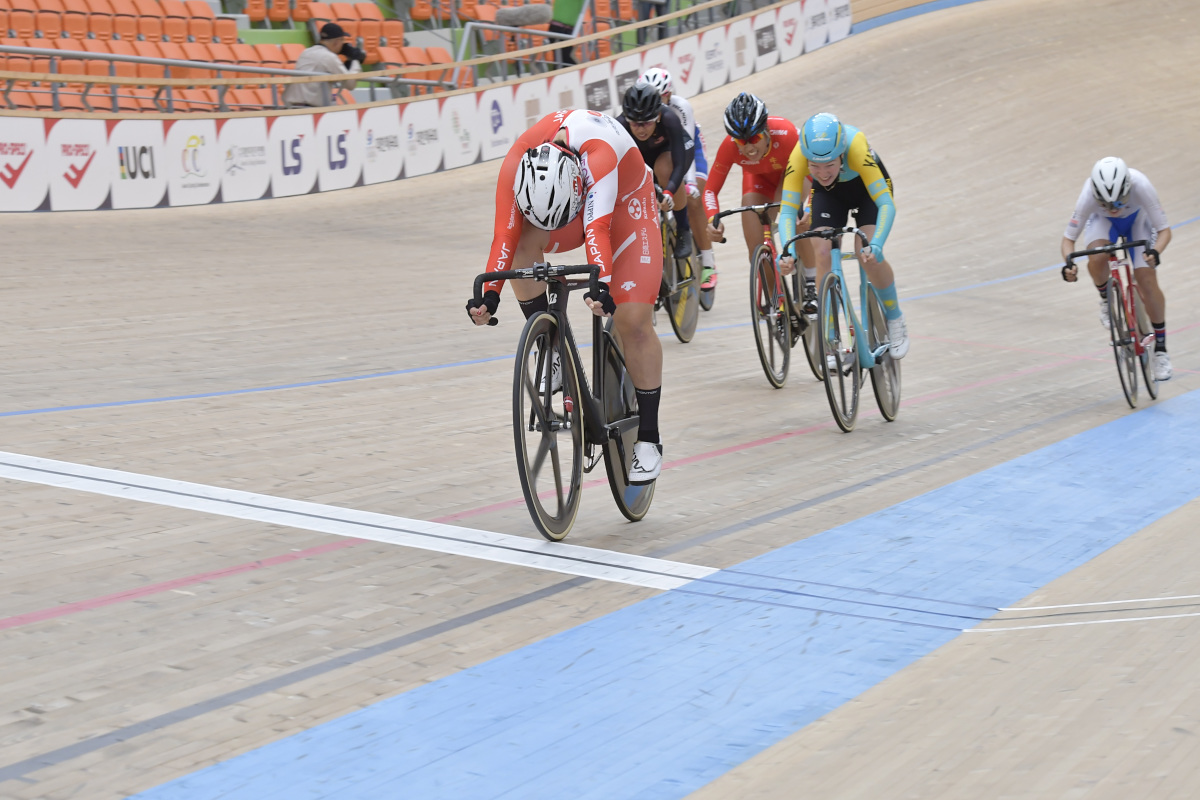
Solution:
(683, 244)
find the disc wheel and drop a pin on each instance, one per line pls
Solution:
(1122, 343)
(683, 300)
(839, 353)
(1146, 336)
(809, 339)
(548, 428)
(885, 375)
(769, 318)
(620, 403)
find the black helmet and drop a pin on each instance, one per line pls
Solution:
(642, 101)
(745, 117)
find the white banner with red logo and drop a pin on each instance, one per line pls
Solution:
(84, 164)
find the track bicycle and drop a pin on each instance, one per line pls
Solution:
(1129, 330)
(561, 425)
(776, 319)
(844, 351)
(679, 292)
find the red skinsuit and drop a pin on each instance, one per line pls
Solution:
(763, 177)
(618, 222)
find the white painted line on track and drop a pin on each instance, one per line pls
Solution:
(1104, 603)
(1076, 624)
(589, 562)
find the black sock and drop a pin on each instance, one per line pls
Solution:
(648, 413)
(1160, 337)
(1103, 290)
(681, 221)
(534, 306)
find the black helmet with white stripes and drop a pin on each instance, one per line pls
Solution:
(745, 117)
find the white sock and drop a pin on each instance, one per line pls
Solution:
(706, 258)
(810, 273)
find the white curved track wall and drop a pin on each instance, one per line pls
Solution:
(84, 164)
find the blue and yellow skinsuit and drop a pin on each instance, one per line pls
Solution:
(859, 163)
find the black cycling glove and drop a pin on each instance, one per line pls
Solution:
(490, 301)
(604, 298)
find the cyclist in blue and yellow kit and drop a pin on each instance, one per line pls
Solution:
(846, 176)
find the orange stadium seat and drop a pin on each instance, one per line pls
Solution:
(291, 52)
(148, 8)
(440, 55)
(220, 53)
(200, 99)
(245, 54)
(421, 11)
(150, 28)
(280, 11)
(301, 11)
(370, 31)
(175, 30)
(468, 9)
(368, 11)
(123, 8)
(390, 57)
(270, 55)
(3, 25)
(319, 14)
(343, 11)
(225, 30)
(200, 29)
(242, 100)
(393, 32)
(174, 8)
(49, 23)
(197, 51)
(23, 5)
(199, 8)
(256, 10)
(23, 24)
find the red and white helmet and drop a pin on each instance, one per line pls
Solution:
(1110, 182)
(660, 78)
(549, 186)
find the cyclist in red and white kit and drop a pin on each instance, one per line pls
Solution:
(760, 144)
(566, 158)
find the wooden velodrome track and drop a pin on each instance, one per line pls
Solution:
(318, 350)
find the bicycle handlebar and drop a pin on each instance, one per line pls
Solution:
(540, 271)
(760, 210)
(824, 233)
(1109, 248)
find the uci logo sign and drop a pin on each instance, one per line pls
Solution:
(136, 162)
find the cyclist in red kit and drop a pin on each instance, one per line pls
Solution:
(760, 144)
(577, 179)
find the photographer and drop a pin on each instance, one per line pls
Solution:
(324, 57)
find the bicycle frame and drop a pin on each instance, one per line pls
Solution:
(596, 431)
(1126, 284)
(866, 358)
(768, 240)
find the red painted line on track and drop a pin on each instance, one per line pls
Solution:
(166, 586)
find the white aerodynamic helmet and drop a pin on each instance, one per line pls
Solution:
(1110, 182)
(549, 186)
(660, 78)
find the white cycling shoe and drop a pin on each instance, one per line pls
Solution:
(646, 463)
(1105, 321)
(1162, 366)
(898, 335)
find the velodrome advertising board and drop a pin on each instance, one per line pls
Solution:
(86, 164)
